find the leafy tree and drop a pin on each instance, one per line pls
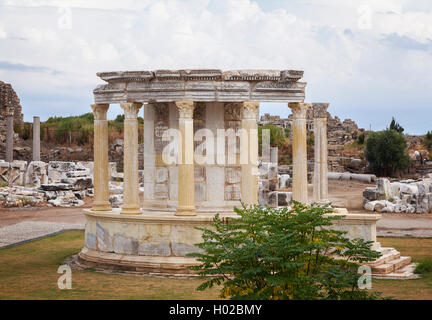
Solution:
(120, 118)
(396, 126)
(385, 152)
(427, 140)
(276, 135)
(282, 254)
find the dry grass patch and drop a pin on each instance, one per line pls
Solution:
(29, 271)
(416, 289)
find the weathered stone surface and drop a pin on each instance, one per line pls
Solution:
(371, 193)
(273, 199)
(384, 188)
(181, 249)
(284, 181)
(263, 197)
(161, 175)
(80, 183)
(116, 200)
(36, 174)
(154, 249)
(284, 198)
(232, 192)
(56, 186)
(90, 241)
(125, 245)
(104, 239)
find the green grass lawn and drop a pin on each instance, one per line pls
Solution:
(29, 271)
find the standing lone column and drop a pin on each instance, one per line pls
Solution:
(249, 149)
(320, 180)
(186, 172)
(36, 139)
(9, 134)
(130, 166)
(300, 191)
(100, 171)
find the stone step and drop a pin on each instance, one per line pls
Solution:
(391, 266)
(387, 257)
(404, 273)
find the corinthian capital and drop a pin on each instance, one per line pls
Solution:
(299, 109)
(131, 109)
(185, 109)
(100, 111)
(320, 110)
(250, 110)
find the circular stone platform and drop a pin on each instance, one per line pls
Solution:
(151, 243)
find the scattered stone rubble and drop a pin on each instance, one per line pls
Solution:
(339, 133)
(57, 183)
(407, 196)
(272, 186)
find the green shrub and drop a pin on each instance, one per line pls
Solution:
(385, 152)
(424, 266)
(427, 140)
(282, 254)
(361, 139)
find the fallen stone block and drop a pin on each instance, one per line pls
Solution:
(56, 186)
(371, 193)
(79, 183)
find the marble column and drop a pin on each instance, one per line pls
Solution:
(149, 152)
(36, 139)
(249, 153)
(130, 163)
(186, 171)
(299, 136)
(9, 134)
(100, 172)
(320, 185)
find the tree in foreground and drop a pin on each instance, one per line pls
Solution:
(282, 254)
(385, 152)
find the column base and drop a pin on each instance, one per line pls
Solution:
(101, 206)
(130, 210)
(186, 211)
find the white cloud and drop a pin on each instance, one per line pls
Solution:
(320, 37)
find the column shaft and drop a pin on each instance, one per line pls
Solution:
(320, 180)
(9, 135)
(130, 163)
(36, 139)
(186, 171)
(299, 136)
(249, 149)
(101, 176)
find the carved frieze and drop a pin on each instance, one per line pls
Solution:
(232, 111)
(200, 85)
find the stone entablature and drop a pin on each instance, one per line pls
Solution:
(207, 85)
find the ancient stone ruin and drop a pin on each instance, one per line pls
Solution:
(10, 116)
(339, 133)
(154, 234)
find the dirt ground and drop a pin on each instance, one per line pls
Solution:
(55, 214)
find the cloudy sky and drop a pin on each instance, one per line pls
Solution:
(370, 59)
